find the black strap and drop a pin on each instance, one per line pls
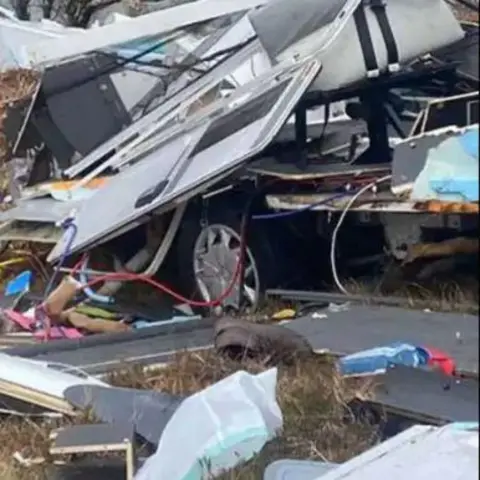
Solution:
(366, 43)
(378, 8)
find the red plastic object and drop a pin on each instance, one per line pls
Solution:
(440, 360)
(28, 324)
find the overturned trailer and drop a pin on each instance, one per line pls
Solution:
(233, 115)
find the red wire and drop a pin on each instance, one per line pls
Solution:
(124, 276)
(131, 276)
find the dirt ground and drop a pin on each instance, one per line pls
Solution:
(313, 398)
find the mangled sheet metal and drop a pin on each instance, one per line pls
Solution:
(199, 152)
(330, 29)
(369, 37)
(152, 24)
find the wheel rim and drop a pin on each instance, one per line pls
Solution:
(215, 257)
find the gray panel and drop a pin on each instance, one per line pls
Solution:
(76, 94)
(44, 209)
(426, 394)
(282, 23)
(361, 327)
(90, 435)
(145, 351)
(148, 411)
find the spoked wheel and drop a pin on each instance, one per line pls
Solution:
(215, 262)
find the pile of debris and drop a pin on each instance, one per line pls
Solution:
(205, 154)
(288, 401)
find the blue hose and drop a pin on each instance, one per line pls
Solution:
(88, 291)
(291, 213)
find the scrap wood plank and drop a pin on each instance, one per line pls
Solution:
(28, 395)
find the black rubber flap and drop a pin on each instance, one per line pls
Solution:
(148, 411)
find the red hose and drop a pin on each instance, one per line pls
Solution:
(131, 276)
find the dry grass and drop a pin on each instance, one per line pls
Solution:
(15, 86)
(313, 398)
(438, 297)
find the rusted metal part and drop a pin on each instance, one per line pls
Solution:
(439, 206)
(453, 246)
(381, 202)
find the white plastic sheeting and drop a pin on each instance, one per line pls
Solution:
(213, 430)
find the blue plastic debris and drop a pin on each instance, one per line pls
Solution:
(451, 170)
(378, 359)
(465, 188)
(141, 323)
(469, 142)
(20, 284)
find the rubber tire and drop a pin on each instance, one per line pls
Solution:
(258, 244)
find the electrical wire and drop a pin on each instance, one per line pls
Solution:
(155, 264)
(146, 276)
(290, 213)
(125, 276)
(237, 274)
(239, 267)
(354, 198)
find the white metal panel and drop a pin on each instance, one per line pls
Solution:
(419, 453)
(108, 207)
(41, 376)
(152, 24)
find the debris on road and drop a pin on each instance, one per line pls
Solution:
(380, 359)
(211, 155)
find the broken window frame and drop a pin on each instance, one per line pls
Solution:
(157, 118)
(300, 74)
(216, 109)
(424, 114)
